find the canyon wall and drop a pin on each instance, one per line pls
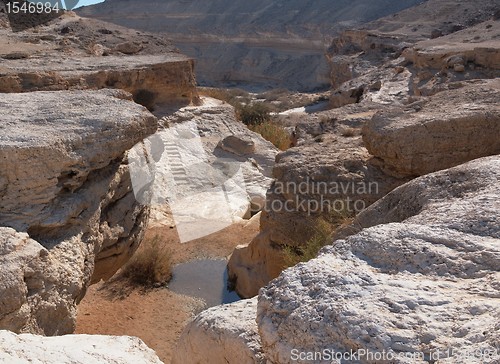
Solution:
(253, 44)
(68, 213)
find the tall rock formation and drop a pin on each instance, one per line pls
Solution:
(68, 212)
(67, 205)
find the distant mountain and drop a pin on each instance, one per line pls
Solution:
(278, 43)
(303, 18)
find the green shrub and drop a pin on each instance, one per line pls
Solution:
(151, 265)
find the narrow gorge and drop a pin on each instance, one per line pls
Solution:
(372, 236)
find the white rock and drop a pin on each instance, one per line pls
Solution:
(74, 349)
(204, 176)
(222, 334)
(64, 183)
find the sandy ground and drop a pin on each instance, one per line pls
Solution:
(156, 316)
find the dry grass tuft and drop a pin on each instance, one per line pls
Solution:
(150, 266)
(273, 132)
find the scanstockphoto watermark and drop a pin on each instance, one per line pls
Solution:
(318, 197)
(484, 355)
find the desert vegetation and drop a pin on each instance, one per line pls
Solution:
(150, 266)
(322, 229)
(256, 115)
(274, 132)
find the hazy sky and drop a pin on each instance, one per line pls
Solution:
(88, 2)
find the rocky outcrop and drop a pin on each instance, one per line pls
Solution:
(414, 279)
(77, 349)
(75, 53)
(311, 181)
(392, 60)
(211, 170)
(225, 334)
(150, 79)
(407, 141)
(421, 281)
(474, 48)
(67, 198)
(428, 136)
(442, 17)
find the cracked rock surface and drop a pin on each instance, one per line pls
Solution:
(67, 207)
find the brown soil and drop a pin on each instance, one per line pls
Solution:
(156, 316)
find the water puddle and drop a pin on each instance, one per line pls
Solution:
(205, 279)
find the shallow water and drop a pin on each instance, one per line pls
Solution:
(205, 279)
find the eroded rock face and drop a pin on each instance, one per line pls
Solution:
(65, 182)
(313, 180)
(424, 279)
(151, 79)
(224, 334)
(78, 349)
(429, 136)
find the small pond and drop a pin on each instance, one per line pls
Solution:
(205, 279)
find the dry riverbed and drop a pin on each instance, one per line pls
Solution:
(156, 316)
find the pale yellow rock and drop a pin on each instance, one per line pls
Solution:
(447, 129)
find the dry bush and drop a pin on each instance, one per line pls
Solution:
(151, 265)
(253, 114)
(274, 133)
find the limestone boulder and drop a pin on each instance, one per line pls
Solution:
(223, 334)
(211, 170)
(77, 349)
(237, 144)
(447, 129)
(67, 197)
(420, 284)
